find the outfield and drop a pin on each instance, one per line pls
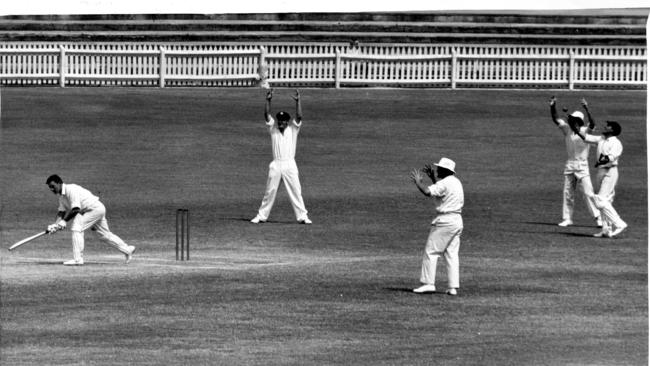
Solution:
(337, 291)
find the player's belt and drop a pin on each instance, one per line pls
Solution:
(448, 213)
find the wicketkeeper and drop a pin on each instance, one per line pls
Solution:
(83, 211)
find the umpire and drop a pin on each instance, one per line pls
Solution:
(444, 236)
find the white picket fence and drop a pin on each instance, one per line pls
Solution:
(325, 65)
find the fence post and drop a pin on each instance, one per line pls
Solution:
(572, 71)
(162, 64)
(63, 65)
(337, 70)
(454, 68)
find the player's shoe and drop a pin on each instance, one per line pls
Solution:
(305, 221)
(452, 292)
(129, 255)
(257, 219)
(74, 262)
(618, 230)
(425, 289)
(565, 223)
(602, 234)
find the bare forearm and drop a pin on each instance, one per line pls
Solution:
(554, 115)
(592, 123)
(298, 107)
(423, 188)
(267, 109)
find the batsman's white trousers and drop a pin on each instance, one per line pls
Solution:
(287, 171)
(444, 240)
(571, 182)
(607, 178)
(94, 218)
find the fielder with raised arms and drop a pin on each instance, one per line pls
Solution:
(284, 137)
(84, 210)
(576, 168)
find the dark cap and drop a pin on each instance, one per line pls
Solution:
(616, 127)
(283, 116)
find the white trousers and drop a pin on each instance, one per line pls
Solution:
(571, 184)
(287, 171)
(94, 219)
(443, 240)
(607, 178)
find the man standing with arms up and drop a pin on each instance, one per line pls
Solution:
(576, 169)
(609, 149)
(444, 236)
(284, 137)
(84, 210)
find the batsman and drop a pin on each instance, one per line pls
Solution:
(83, 211)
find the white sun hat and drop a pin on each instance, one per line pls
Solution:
(447, 164)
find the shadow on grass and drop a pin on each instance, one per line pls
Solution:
(486, 290)
(272, 222)
(399, 289)
(581, 235)
(555, 224)
(539, 223)
(60, 263)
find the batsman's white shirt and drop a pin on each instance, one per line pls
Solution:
(73, 195)
(92, 214)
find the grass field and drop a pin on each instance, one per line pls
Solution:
(337, 291)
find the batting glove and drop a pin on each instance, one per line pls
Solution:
(61, 225)
(51, 229)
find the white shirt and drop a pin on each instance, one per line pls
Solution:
(576, 147)
(73, 195)
(610, 147)
(284, 144)
(448, 195)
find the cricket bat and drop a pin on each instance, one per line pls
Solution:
(27, 240)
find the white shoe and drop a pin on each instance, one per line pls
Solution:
(618, 230)
(74, 262)
(305, 221)
(425, 289)
(565, 223)
(602, 234)
(257, 220)
(452, 292)
(129, 255)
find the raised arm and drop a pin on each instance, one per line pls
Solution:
(430, 171)
(416, 177)
(298, 107)
(592, 123)
(267, 105)
(580, 131)
(552, 102)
